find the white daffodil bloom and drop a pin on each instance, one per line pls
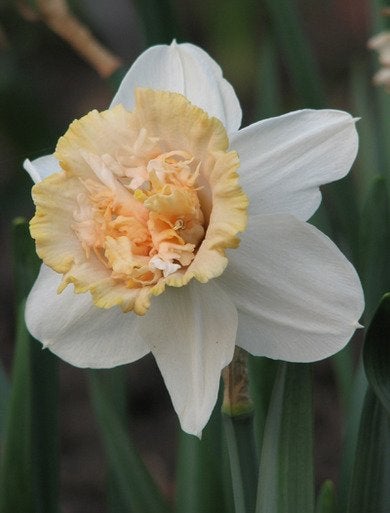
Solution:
(149, 198)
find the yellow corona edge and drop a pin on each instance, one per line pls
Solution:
(146, 199)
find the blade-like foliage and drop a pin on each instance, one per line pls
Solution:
(294, 44)
(199, 482)
(286, 483)
(29, 465)
(374, 244)
(376, 353)
(158, 21)
(326, 501)
(353, 414)
(137, 490)
(369, 492)
(262, 372)
(4, 396)
(16, 492)
(239, 433)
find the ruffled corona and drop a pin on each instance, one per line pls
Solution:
(145, 199)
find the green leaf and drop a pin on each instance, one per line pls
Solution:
(238, 421)
(158, 20)
(262, 372)
(294, 44)
(343, 365)
(326, 502)
(114, 382)
(308, 85)
(199, 483)
(44, 428)
(240, 439)
(363, 98)
(383, 117)
(369, 492)
(336, 196)
(26, 262)
(374, 245)
(376, 352)
(114, 80)
(43, 372)
(268, 90)
(16, 466)
(30, 456)
(4, 396)
(227, 478)
(353, 414)
(286, 482)
(230, 37)
(137, 490)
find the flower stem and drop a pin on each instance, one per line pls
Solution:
(238, 414)
(29, 456)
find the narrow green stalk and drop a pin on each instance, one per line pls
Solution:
(382, 98)
(26, 262)
(44, 428)
(268, 91)
(136, 489)
(368, 164)
(114, 381)
(286, 481)
(326, 502)
(374, 244)
(15, 470)
(302, 66)
(262, 373)
(376, 353)
(199, 482)
(369, 491)
(44, 386)
(343, 368)
(158, 21)
(4, 397)
(29, 466)
(353, 412)
(238, 417)
(308, 87)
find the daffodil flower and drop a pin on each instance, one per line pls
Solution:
(138, 219)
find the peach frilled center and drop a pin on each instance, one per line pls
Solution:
(146, 199)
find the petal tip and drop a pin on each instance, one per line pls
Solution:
(31, 170)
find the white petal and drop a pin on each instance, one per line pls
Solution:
(184, 69)
(192, 332)
(41, 167)
(73, 328)
(284, 160)
(299, 299)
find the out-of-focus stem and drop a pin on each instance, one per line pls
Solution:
(238, 415)
(58, 17)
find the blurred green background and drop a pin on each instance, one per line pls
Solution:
(279, 55)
